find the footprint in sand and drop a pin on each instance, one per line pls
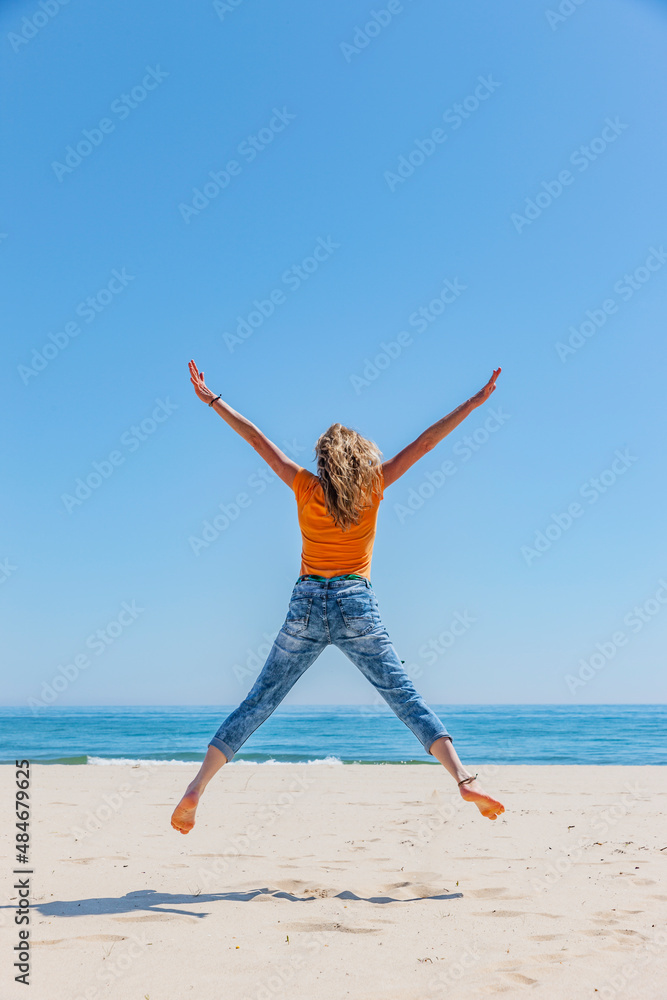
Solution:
(86, 861)
(426, 891)
(413, 890)
(102, 937)
(224, 855)
(488, 893)
(295, 887)
(318, 928)
(474, 857)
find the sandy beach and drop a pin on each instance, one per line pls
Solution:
(325, 881)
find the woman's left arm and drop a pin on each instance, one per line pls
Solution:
(395, 467)
(283, 466)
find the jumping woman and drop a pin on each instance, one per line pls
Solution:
(333, 600)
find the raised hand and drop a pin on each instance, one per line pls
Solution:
(197, 379)
(484, 393)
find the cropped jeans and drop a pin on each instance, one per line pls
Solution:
(344, 612)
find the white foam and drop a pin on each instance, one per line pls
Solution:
(136, 761)
(325, 760)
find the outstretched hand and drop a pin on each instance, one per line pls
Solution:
(197, 379)
(484, 393)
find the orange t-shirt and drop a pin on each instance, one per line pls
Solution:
(327, 550)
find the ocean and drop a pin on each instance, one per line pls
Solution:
(339, 734)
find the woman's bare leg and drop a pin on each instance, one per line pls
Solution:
(443, 750)
(183, 817)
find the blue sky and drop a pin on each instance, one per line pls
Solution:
(517, 154)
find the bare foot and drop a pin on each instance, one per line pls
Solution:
(183, 816)
(473, 792)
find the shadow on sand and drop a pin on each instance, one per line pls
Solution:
(167, 902)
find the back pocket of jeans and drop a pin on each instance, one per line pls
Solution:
(358, 613)
(298, 614)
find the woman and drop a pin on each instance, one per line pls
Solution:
(333, 601)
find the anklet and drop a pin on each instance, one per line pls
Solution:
(466, 780)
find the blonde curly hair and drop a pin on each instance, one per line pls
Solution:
(349, 469)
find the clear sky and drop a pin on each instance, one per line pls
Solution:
(341, 216)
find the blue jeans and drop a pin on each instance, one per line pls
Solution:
(343, 612)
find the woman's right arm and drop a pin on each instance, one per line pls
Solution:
(395, 467)
(284, 467)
